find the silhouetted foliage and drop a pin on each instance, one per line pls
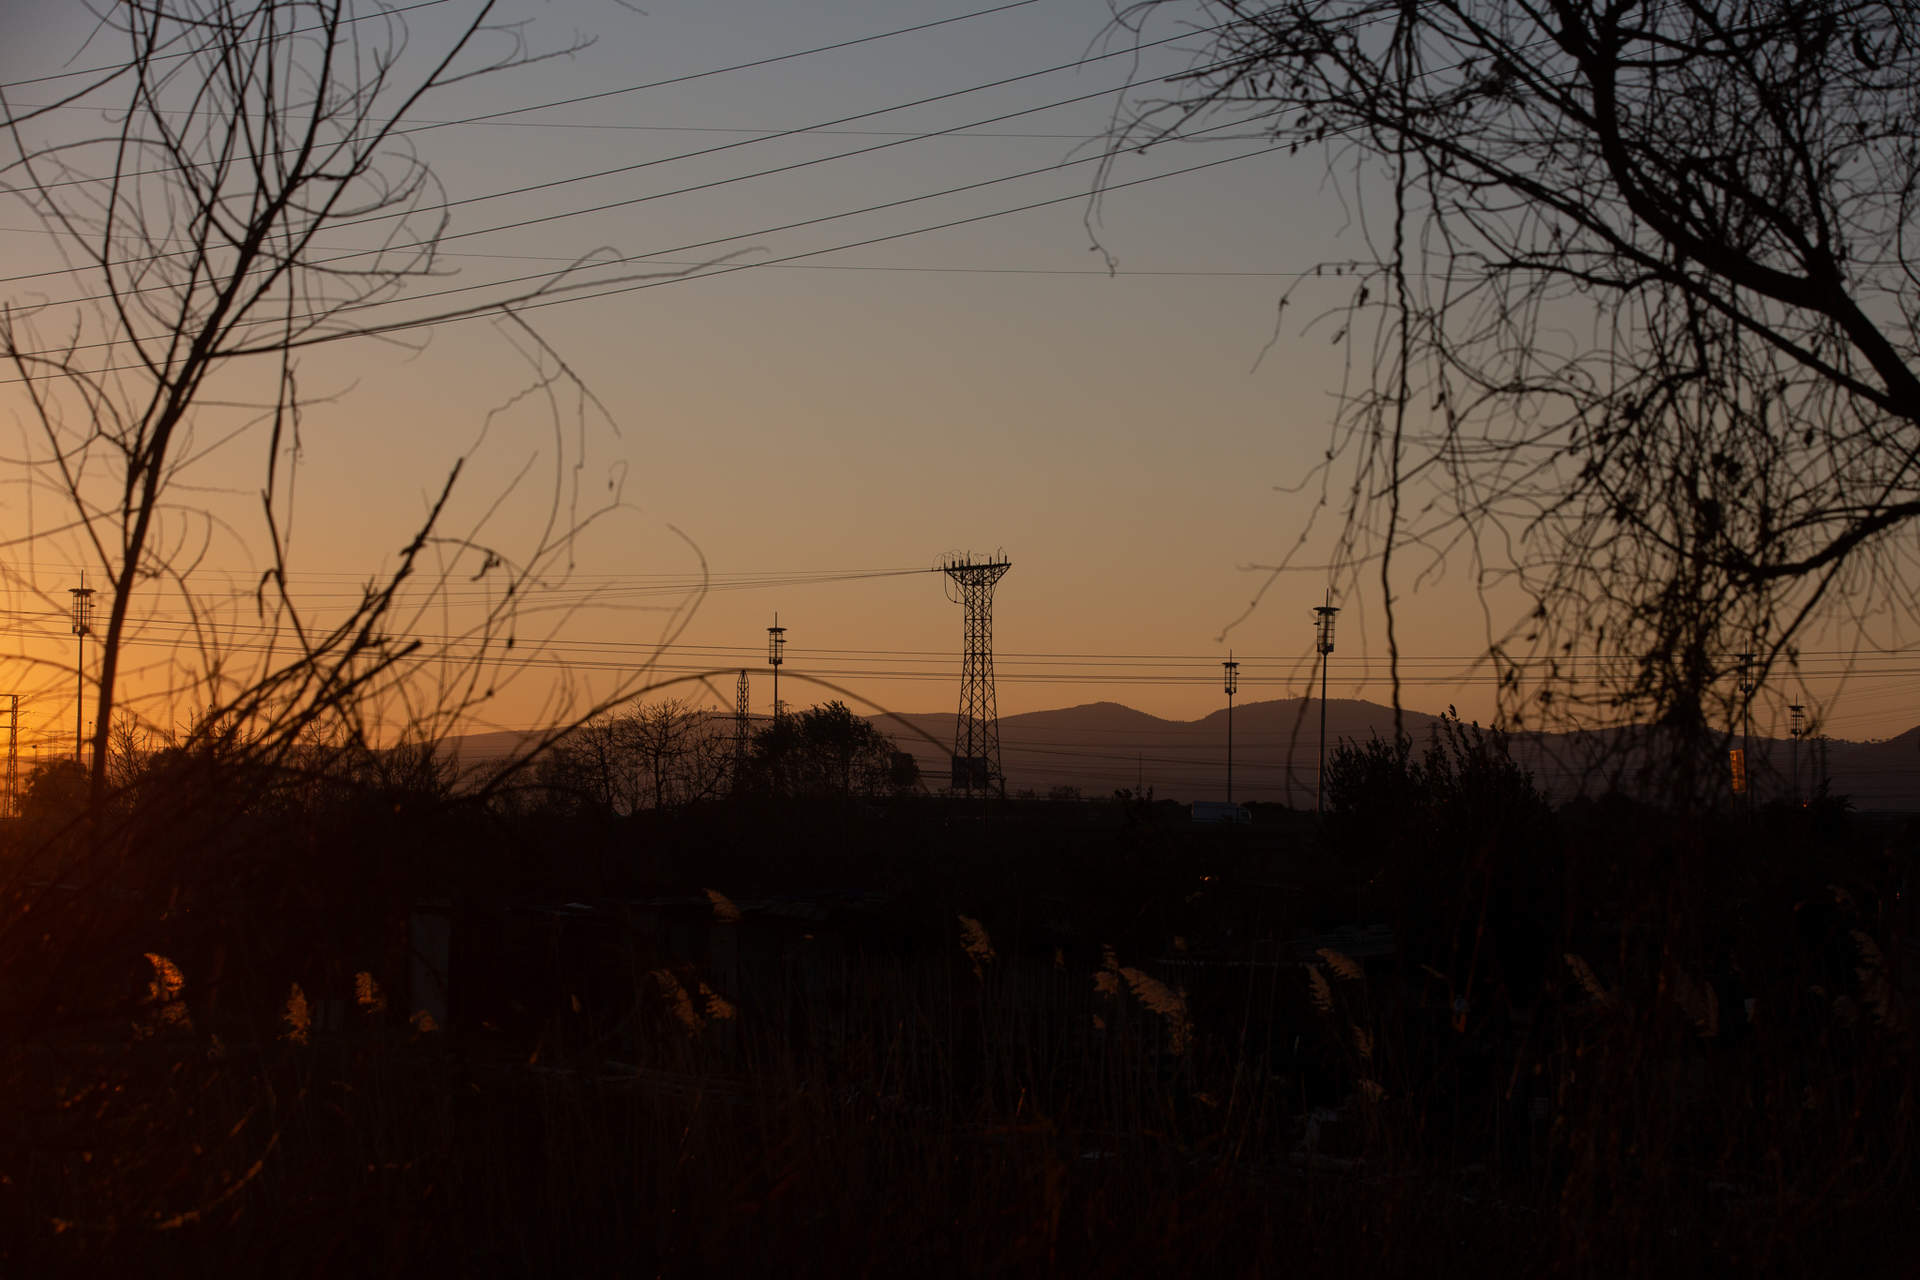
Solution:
(55, 793)
(659, 755)
(828, 751)
(1464, 791)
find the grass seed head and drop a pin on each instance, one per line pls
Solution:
(719, 1008)
(1169, 1002)
(975, 942)
(1882, 1000)
(1320, 989)
(167, 982)
(1343, 965)
(298, 1018)
(1584, 974)
(679, 1003)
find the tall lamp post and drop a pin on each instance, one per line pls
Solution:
(1746, 687)
(1797, 732)
(1323, 644)
(776, 645)
(82, 624)
(1232, 670)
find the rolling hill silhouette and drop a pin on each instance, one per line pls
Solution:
(1099, 747)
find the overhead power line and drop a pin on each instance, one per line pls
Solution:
(392, 132)
(445, 205)
(585, 292)
(112, 69)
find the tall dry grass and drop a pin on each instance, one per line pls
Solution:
(974, 1091)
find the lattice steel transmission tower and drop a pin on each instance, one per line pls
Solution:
(976, 734)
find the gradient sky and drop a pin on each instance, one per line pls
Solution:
(991, 385)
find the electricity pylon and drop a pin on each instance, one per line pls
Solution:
(976, 734)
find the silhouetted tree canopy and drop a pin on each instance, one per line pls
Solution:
(829, 751)
(1638, 305)
(660, 755)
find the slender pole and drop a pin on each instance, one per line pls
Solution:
(1797, 729)
(1320, 780)
(1232, 670)
(1323, 644)
(82, 623)
(1796, 767)
(776, 654)
(1746, 725)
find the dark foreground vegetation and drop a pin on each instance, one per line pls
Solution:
(343, 1020)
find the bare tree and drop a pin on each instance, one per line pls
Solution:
(1638, 306)
(683, 755)
(252, 194)
(658, 755)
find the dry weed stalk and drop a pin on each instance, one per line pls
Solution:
(167, 982)
(724, 909)
(367, 994)
(1170, 1003)
(978, 946)
(164, 989)
(718, 1007)
(1879, 993)
(1343, 965)
(1584, 974)
(1321, 990)
(1699, 1002)
(679, 1003)
(298, 1018)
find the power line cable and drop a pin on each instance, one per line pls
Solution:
(446, 205)
(391, 131)
(546, 298)
(112, 70)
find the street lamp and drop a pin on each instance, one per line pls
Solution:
(1232, 670)
(776, 644)
(1798, 731)
(82, 624)
(1746, 687)
(1323, 645)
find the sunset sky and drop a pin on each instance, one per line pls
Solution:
(1102, 393)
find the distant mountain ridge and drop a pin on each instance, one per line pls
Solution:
(1099, 747)
(1102, 746)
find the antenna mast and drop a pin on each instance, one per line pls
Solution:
(742, 710)
(776, 654)
(1323, 645)
(13, 755)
